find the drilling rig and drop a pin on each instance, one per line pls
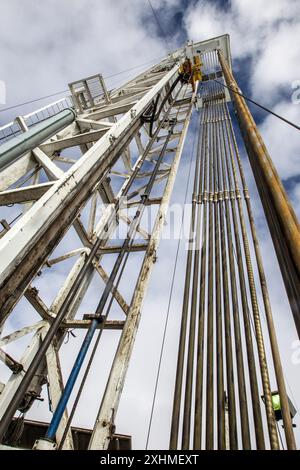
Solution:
(90, 165)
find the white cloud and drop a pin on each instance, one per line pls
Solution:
(264, 31)
(283, 140)
(277, 64)
(45, 46)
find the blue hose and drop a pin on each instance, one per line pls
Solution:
(56, 418)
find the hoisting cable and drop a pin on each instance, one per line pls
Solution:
(155, 114)
(259, 105)
(170, 296)
(159, 26)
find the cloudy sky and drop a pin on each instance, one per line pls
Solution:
(45, 45)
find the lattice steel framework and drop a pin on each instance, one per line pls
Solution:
(98, 176)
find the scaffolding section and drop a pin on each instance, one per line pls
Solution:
(89, 167)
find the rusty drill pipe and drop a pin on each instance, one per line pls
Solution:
(288, 429)
(210, 306)
(184, 322)
(227, 252)
(236, 323)
(221, 437)
(249, 345)
(201, 315)
(186, 432)
(255, 310)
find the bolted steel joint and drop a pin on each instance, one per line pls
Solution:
(112, 138)
(133, 113)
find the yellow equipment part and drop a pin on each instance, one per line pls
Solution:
(186, 67)
(197, 74)
(276, 402)
(194, 70)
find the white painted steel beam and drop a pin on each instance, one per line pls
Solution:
(24, 194)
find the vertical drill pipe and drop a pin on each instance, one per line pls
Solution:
(236, 323)
(210, 304)
(281, 202)
(220, 234)
(288, 429)
(225, 226)
(278, 200)
(249, 344)
(219, 326)
(184, 321)
(182, 343)
(201, 315)
(192, 329)
(290, 277)
(221, 430)
(255, 310)
(258, 331)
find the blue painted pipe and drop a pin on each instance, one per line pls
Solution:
(16, 147)
(56, 418)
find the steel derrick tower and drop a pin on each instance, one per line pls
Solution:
(92, 164)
